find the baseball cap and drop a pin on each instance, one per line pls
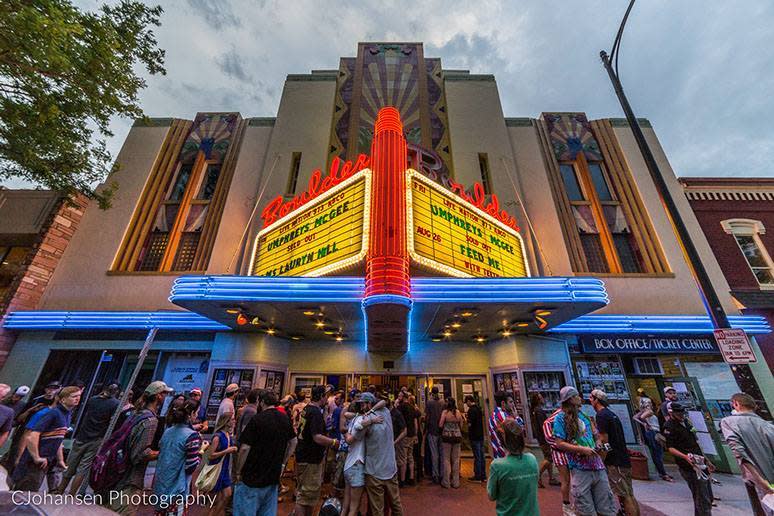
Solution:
(196, 390)
(599, 394)
(367, 396)
(22, 391)
(53, 385)
(567, 392)
(669, 388)
(675, 407)
(232, 387)
(157, 387)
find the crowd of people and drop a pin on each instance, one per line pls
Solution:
(351, 453)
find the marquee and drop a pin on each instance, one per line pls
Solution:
(327, 234)
(450, 235)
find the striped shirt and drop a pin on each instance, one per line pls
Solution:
(560, 458)
(495, 420)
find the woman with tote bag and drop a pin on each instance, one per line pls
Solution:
(215, 475)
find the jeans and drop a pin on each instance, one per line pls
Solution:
(451, 465)
(255, 501)
(700, 489)
(656, 451)
(479, 467)
(434, 448)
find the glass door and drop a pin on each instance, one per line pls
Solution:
(464, 387)
(690, 396)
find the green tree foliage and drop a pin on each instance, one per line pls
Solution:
(63, 74)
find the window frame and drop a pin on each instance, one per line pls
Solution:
(591, 199)
(750, 228)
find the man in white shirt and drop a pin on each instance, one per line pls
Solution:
(227, 403)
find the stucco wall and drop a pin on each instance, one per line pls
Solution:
(81, 281)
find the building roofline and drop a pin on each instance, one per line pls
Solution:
(714, 182)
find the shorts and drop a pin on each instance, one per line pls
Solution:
(559, 458)
(620, 480)
(400, 454)
(309, 478)
(547, 452)
(355, 475)
(591, 491)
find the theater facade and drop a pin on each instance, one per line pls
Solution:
(388, 226)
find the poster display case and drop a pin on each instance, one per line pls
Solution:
(221, 378)
(606, 375)
(547, 383)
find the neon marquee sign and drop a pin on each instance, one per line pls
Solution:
(317, 185)
(338, 173)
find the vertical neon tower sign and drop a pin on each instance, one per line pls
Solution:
(388, 286)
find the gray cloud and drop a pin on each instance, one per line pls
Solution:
(701, 72)
(230, 63)
(217, 13)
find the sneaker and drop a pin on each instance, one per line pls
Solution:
(667, 478)
(567, 510)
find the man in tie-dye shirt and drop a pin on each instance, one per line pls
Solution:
(576, 435)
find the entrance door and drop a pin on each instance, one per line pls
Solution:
(464, 387)
(690, 396)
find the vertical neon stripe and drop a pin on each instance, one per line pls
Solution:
(387, 264)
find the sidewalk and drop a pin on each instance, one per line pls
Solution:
(656, 498)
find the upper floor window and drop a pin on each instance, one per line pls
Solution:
(606, 227)
(176, 219)
(747, 233)
(11, 262)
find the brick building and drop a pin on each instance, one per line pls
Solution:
(35, 228)
(735, 214)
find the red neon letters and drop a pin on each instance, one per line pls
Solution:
(478, 198)
(278, 208)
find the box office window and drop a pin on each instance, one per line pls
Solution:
(604, 221)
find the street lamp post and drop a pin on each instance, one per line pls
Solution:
(742, 372)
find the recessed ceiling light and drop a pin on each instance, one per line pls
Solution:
(522, 324)
(456, 324)
(320, 324)
(436, 338)
(255, 321)
(330, 332)
(506, 333)
(480, 338)
(339, 338)
(447, 333)
(543, 313)
(309, 312)
(232, 311)
(271, 331)
(296, 337)
(466, 313)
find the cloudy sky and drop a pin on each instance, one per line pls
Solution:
(701, 71)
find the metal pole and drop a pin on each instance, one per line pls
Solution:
(140, 360)
(742, 373)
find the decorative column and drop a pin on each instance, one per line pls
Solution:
(388, 287)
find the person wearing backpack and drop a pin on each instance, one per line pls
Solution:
(143, 426)
(43, 446)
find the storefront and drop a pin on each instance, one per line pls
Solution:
(620, 364)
